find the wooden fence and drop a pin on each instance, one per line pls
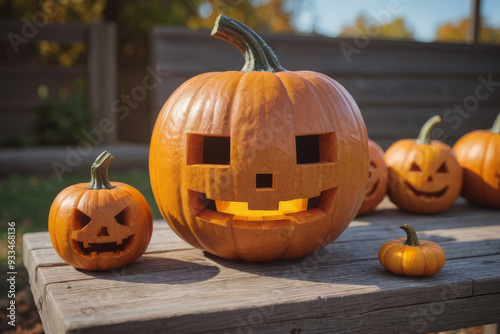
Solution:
(19, 81)
(397, 85)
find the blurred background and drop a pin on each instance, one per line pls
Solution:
(81, 76)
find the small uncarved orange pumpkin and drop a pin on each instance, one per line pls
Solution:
(101, 226)
(262, 163)
(410, 256)
(376, 188)
(478, 152)
(424, 175)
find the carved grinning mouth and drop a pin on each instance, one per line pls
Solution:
(239, 210)
(372, 191)
(425, 193)
(103, 247)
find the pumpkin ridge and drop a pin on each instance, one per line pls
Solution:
(65, 194)
(160, 127)
(70, 254)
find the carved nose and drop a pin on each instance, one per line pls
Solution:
(264, 181)
(104, 232)
(429, 179)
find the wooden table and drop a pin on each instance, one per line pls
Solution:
(175, 288)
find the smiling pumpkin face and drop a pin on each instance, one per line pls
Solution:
(424, 177)
(259, 164)
(101, 226)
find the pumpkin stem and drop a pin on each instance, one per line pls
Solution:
(424, 136)
(258, 55)
(99, 172)
(411, 235)
(496, 125)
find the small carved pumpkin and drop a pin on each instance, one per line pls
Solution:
(262, 163)
(410, 256)
(101, 226)
(376, 188)
(478, 152)
(424, 175)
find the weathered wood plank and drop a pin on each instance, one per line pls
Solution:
(112, 298)
(342, 287)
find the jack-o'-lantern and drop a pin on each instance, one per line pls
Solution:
(424, 175)
(478, 152)
(101, 226)
(376, 187)
(262, 163)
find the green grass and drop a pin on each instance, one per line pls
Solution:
(26, 199)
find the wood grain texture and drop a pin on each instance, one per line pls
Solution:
(341, 288)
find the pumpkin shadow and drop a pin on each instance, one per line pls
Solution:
(159, 270)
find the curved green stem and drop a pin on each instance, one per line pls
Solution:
(424, 136)
(411, 235)
(258, 55)
(99, 172)
(496, 125)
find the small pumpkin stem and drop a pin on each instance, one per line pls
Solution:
(258, 55)
(99, 172)
(424, 136)
(496, 125)
(411, 235)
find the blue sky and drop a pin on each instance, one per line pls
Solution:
(422, 17)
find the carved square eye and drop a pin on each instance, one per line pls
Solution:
(316, 148)
(415, 168)
(443, 168)
(215, 150)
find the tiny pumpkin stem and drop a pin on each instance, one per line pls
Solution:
(424, 136)
(99, 172)
(411, 235)
(258, 55)
(496, 125)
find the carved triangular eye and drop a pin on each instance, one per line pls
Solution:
(415, 168)
(443, 168)
(372, 163)
(120, 218)
(81, 220)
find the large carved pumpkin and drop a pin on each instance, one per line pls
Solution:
(102, 225)
(376, 187)
(424, 175)
(478, 152)
(261, 163)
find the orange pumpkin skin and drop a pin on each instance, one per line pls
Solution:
(100, 229)
(478, 152)
(425, 259)
(263, 113)
(423, 177)
(377, 179)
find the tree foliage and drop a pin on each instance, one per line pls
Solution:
(396, 29)
(134, 18)
(457, 32)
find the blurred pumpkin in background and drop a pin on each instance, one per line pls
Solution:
(376, 188)
(478, 152)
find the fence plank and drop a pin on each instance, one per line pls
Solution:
(393, 82)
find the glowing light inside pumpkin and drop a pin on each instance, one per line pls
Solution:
(240, 209)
